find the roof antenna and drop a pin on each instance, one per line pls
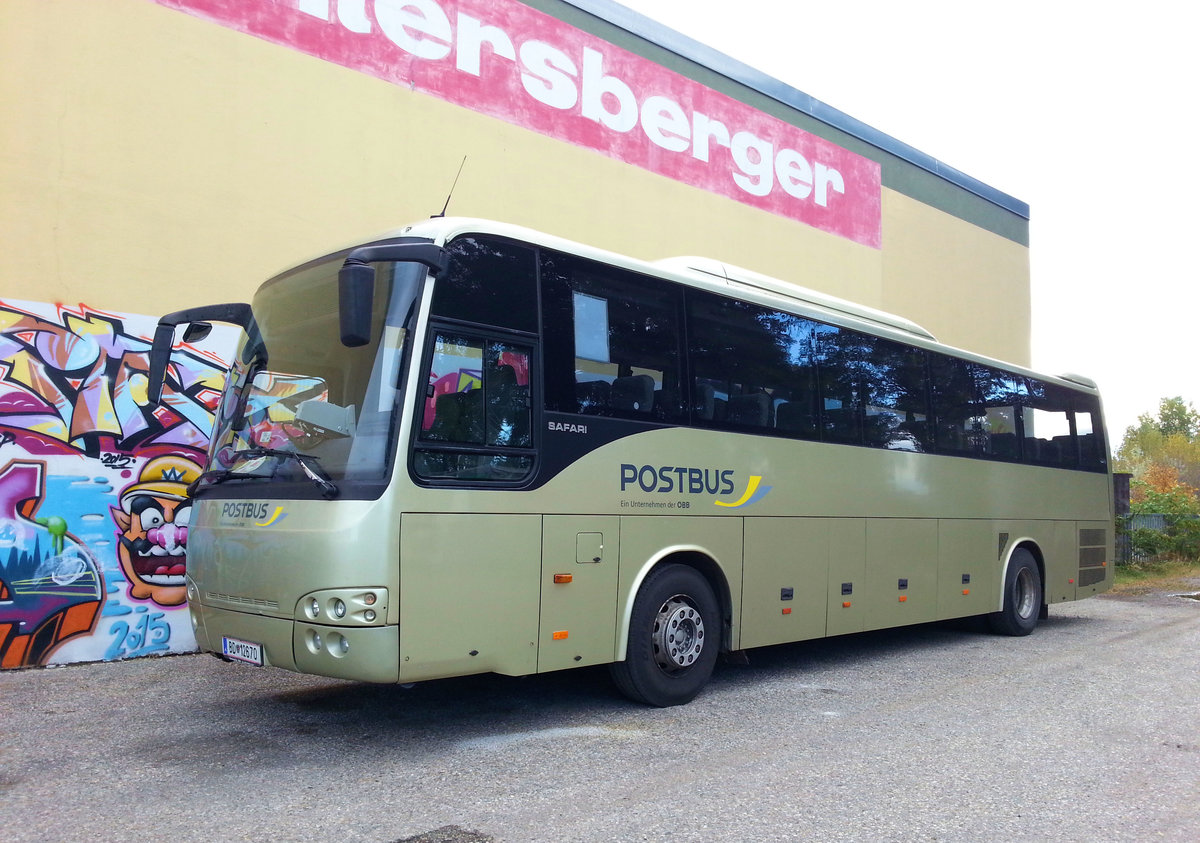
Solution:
(451, 193)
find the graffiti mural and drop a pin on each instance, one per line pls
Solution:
(93, 483)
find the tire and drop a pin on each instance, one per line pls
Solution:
(674, 636)
(1022, 597)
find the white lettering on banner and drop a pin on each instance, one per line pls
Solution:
(547, 75)
(490, 55)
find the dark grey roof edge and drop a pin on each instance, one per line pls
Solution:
(685, 47)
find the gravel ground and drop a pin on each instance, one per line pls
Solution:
(1088, 729)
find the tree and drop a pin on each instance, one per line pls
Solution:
(1170, 439)
(1163, 454)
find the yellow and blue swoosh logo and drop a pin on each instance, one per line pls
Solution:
(754, 493)
(276, 516)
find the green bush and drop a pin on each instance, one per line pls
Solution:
(1147, 543)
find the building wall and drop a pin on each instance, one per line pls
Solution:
(154, 158)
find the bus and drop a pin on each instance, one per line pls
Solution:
(468, 447)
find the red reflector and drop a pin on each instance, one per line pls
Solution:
(559, 635)
(903, 599)
(966, 591)
(562, 578)
(787, 611)
(846, 605)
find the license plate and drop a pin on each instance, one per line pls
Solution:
(243, 651)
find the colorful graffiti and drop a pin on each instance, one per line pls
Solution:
(93, 479)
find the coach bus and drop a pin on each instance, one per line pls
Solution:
(468, 447)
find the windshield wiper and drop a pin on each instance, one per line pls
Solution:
(309, 464)
(216, 476)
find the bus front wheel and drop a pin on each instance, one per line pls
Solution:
(1022, 597)
(674, 635)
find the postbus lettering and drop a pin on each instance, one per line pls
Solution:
(244, 510)
(667, 479)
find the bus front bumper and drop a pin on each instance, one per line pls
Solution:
(364, 654)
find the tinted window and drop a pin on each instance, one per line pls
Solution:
(488, 282)
(957, 407)
(1001, 394)
(476, 411)
(894, 399)
(612, 341)
(838, 354)
(1046, 420)
(753, 368)
(1089, 433)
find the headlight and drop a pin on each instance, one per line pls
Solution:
(343, 607)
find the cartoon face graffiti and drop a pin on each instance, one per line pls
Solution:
(153, 518)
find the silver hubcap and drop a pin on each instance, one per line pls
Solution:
(678, 634)
(1025, 593)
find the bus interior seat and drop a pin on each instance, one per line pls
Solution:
(706, 400)
(794, 416)
(749, 410)
(841, 424)
(633, 394)
(1004, 445)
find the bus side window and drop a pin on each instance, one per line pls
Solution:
(488, 282)
(838, 373)
(894, 396)
(1088, 433)
(957, 409)
(477, 397)
(1002, 394)
(612, 344)
(1047, 427)
(748, 362)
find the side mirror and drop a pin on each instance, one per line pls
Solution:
(356, 283)
(197, 331)
(356, 292)
(198, 328)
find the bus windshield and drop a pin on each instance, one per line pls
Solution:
(299, 406)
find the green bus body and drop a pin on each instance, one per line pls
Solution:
(517, 540)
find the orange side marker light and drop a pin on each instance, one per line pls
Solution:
(559, 635)
(563, 578)
(846, 605)
(903, 598)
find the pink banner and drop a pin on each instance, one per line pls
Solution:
(502, 58)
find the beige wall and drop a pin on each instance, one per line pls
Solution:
(153, 161)
(968, 286)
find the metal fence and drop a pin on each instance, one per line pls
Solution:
(1132, 542)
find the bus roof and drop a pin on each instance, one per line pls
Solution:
(737, 276)
(716, 276)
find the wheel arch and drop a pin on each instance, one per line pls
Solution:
(693, 557)
(1023, 543)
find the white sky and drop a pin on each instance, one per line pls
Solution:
(1083, 110)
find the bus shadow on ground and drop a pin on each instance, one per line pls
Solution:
(572, 696)
(266, 720)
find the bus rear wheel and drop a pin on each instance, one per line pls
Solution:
(1022, 597)
(674, 635)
